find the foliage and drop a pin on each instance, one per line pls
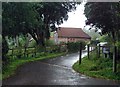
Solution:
(4, 49)
(34, 18)
(94, 42)
(32, 43)
(75, 46)
(105, 38)
(118, 47)
(55, 12)
(18, 18)
(94, 35)
(97, 67)
(104, 16)
(49, 43)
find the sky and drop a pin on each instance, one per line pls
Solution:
(76, 18)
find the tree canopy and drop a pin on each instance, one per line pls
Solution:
(34, 18)
(104, 16)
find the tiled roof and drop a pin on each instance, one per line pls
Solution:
(72, 33)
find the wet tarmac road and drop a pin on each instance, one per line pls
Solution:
(57, 71)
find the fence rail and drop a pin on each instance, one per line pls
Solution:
(33, 51)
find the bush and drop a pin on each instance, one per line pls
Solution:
(53, 49)
(75, 46)
(98, 67)
(32, 43)
(49, 43)
(40, 48)
(4, 49)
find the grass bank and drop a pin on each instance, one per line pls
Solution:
(11, 68)
(97, 67)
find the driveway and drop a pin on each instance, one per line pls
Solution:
(57, 71)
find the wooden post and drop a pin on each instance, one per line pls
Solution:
(88, 50)
(12, 52)
(25, 52)
(80, 54)
(109, 52)
(35, 51)
(114, 59)
(99, 51)
(102, 49)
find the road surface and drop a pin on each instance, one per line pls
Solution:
(57, 71)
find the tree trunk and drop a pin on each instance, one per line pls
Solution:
(114, 59)
(40, 37)
(28, 37)
(17, 41)
(34, 37)
(114, 54)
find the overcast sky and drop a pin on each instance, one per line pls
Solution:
(76, 18)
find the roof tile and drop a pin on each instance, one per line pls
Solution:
(72, 32)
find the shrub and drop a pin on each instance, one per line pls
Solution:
(53, 49)
(4, 49)
(32, 43)
(40, 48)
(75, 46)
(49, 43)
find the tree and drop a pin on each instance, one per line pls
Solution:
(4, 49)
(105, 16)
(94, 35)
(53, 13)
(17, 19)
(33, 18)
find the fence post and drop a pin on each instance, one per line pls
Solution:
(24, 51)
(12, 52)
(27, 51)
(96, 48)
(88, 50)
(35, 51)
(99, 51)
(114, 59)
(80, 53)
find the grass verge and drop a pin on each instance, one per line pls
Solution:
(13, 65)
(98, 68)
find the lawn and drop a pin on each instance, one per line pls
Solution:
(98, 67)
